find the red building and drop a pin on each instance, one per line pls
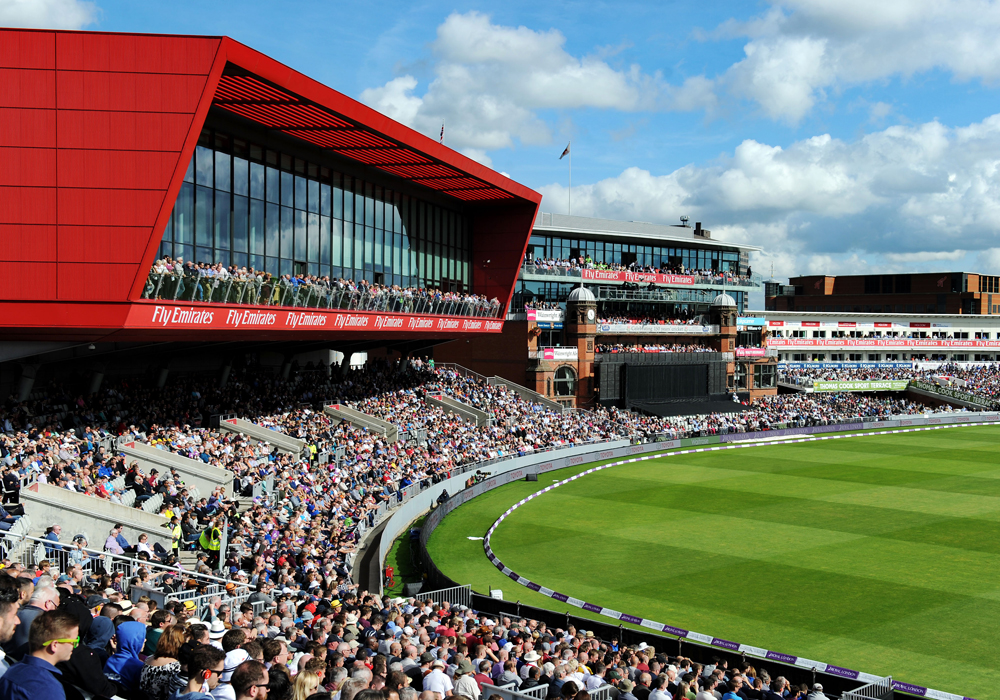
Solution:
(122, 150)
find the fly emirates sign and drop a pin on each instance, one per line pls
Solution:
(199, 317)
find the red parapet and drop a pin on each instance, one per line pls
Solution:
(97, 129)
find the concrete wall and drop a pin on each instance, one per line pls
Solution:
(194, 472)
(49, 505)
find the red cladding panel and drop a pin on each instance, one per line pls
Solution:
(27, 280)
(26, 89)
(24, 242)
(95, 281)
(29, 128)
(20, 49)
(115, 244)
(109, 207)
(27, 205)
(129, 92)
(122, 131)
(136, 53)
(108, 169)
(28, 167)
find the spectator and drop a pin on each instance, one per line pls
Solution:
(52, 535)
(161, 675)
(205, 665)
(125, 666)
(250, 681)
(53, 636)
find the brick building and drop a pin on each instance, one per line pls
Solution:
(932, 293)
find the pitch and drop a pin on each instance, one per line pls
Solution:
(877, 553)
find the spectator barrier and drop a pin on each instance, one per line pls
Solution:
(963, 397)
(283, 443)
(526, 394)
(464, 411)
(340, 412)
(195, 473)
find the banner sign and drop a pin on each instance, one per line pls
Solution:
(750, 321)
(882, 343)
(623, 276)
(751, 352)
(893, 385)
(853, 324)
(219, 316)
(560, 353)
(655, 329)
(955, 394)
(546, 315)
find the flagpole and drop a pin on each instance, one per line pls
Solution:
(569, 193)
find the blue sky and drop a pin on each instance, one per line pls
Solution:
(843, 136)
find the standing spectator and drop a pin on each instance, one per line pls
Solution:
(11, 486)
(54, 634)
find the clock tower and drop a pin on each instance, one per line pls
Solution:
(581, 329)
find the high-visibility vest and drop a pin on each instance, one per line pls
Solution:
(210, 538)
(175, 536)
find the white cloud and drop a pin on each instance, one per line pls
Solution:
(491, 80)
(47, 14)
(896, 199)
(801, 49)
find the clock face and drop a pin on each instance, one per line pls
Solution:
(590, 314)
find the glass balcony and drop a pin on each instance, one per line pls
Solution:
(285, 292)
(576, 273)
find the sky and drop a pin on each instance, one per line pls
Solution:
(842, 136)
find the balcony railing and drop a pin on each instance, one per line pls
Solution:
(717, 280)
(306, 295)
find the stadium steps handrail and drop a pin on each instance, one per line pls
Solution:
(281, 441)
(340, 412)
(194, 472)
(463, 410)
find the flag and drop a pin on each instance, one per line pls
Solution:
(442, 132)
(564, 153)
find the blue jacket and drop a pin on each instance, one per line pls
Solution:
(125, 665)
(31, 679)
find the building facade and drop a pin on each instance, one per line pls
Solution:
(621, 313)
(966, 293)
(284, 210)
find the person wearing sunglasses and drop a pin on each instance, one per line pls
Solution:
(53, 636)
(205, 665)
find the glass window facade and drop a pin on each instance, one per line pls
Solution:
(659, 257)
(246, 206)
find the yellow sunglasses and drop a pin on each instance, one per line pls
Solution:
(75, 641)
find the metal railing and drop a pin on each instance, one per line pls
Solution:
(28, 551)
(877, 690)
(456, 595)
(306, 295)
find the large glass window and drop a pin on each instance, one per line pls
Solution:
(243, 205)
(565, 381)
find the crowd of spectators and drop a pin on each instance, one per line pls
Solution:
(214, 282)
(574, 265)
(652, 347)
(981, 380)
(678, 318)
(71, 638)
(314, 632)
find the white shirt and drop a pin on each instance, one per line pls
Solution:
(437, 682)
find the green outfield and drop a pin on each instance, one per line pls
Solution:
(877, 553)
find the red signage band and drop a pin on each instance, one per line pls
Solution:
(623, 276)
(180, 316)
(881, 343)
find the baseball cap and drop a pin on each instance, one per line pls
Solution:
(94, 600)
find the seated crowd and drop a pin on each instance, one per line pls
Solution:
(318, 642)
(176, 280)
(980, 380)
(678, 318)
(573, 265)
(652, 347)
